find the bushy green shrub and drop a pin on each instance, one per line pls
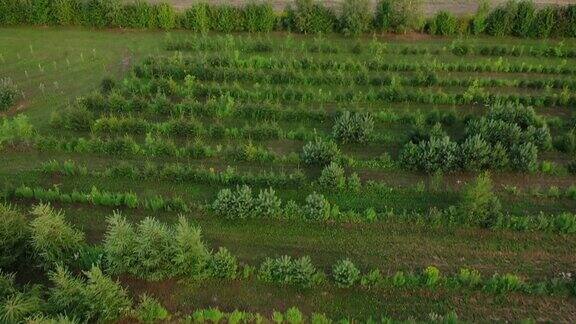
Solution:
(500, 21)
(259, 17)
(524, 157)
(525, 13)
(149, 310)
(166, 16)
(68, 294)
(287, 271)
(108, 300)
(444, 23)
(316, 208)
(66, 12)
(357, 127)
(311, 17)
(19, 306)
(153, 250)
(267, 204)
(223, 265)
(478, 23)
(400, 16)
(8, 94)
(355, 17)
(197, 18)
(234, 204)
(544, 22)
(476, 153)
(332, 177)
(371, 279)
(14, 236)
(345, 273)
(479, 204)
(226, 18)
(437, 154)
(137, 14)
(53, 239)
(469, 278)
(504, 283)
(431, 276)
(320, 152)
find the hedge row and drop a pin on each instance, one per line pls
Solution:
(305, 16)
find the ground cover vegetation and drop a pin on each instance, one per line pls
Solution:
(201, 177)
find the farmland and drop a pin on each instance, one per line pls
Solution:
(286, 177)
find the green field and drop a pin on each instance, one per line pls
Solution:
(188, 116)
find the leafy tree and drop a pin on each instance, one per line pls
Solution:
(14, 236)
(108, 300)
(54, 240)
(345, 273)
(479, 204)
(355, 16)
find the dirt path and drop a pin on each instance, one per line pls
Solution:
(431, 6)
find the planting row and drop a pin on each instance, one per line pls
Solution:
(177, 65)
(478, 207)
(364, 78)
(353, 17)
(248, 44)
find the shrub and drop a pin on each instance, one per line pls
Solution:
(76, 118)
(225, 18)
(223, 265)
(316, 208)
(524, 157)
(108, 300)
(357, 127)
(479, 204)
(153, 250)
(524, 18)
(345, 273)
(431, 276)
(294, 316)
(476, 153)
(320, 152)
(14, 236)
(469, 278)
(267, 204)
(149, 310)
(444, 23)
(332, 177)
(138, 14)
(500, 21)
(197, 18)
(355, 16)
(234, 204)
(66, 12)
(504, 283)
(311, 17)
(544, 22)
(53, 239)
(259, 17)
(371, 279)
(384, 15)
(68, 294)
(287, 271)
(8, 94)
(166, 16)
(406, 15)
(437, 154)
(19, 306)
(478, 24)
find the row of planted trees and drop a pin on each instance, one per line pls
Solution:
(353, 17)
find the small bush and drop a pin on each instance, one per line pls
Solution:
(197, 18)
(54, 240)
(524, 157)
(166, 16)
(267, 204)
(311, 17)
(14, 236)
(345, 273)
(544, 22)
(149, 310)
(479, 204)
(332, 177)
(504, 283)
(320, 152)
(431, 276)
(287, 271)
(355, 16)
(108, 300)
(357, 127)
(500, 21)
(316, 208)
(525, 13)
(8, 94)
(223, 265)
(259, 17)
(234, 204)
(444, 23)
